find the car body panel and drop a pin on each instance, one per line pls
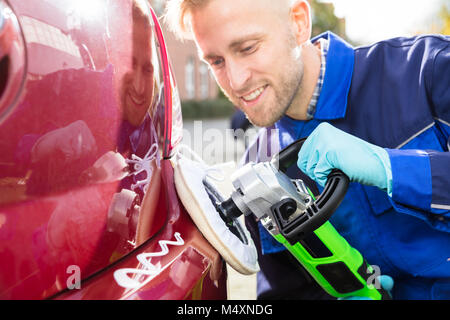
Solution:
(178, 263)
(86, 180)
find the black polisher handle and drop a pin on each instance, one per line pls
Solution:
(326, 203)
(289, 155)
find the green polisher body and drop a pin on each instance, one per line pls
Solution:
(295, 218)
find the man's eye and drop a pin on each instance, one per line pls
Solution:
(249, 49)
(216, 62)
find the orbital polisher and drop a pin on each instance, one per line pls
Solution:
(295, 218)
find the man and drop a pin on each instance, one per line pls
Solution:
(379, 113)
(139, 98)
(138, 83)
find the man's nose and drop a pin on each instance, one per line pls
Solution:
(238, 75)
(138, 82)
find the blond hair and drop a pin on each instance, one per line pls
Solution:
(178, 14)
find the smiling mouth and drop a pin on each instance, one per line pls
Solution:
(254, 95)
(136, 101)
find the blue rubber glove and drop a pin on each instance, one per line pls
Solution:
(328, 148)
(386, 282)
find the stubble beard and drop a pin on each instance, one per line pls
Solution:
(284, 94)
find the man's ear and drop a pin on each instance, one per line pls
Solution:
(301, 19)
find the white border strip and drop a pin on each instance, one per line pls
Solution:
(440, 206)
(433, 206)
(443, 121)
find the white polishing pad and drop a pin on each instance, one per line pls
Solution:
(189, 177)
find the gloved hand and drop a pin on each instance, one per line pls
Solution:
(328, 148)
(386, 282)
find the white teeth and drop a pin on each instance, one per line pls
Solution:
(255, 94)
(136, 101)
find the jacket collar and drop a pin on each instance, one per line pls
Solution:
(332, 103)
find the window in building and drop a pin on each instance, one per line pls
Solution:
(189, 73)
(204, 81)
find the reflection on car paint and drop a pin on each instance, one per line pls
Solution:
(80, 154)
(143, 165)
(147, 268)
(88, 117)
(12, 61)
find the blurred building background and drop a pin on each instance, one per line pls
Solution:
(360, 22)
(194, 80)
(199, 93)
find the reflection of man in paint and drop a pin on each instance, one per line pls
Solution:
(130, 212)
(139, 191)
(138, 84)
(137, 134)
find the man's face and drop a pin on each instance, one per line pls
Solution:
(137, 84)
(250, 49)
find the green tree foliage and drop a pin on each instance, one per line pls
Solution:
(324, 19)
(444, 14)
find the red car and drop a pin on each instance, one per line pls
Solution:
(89, 120)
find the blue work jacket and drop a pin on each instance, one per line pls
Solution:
(394, 94)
